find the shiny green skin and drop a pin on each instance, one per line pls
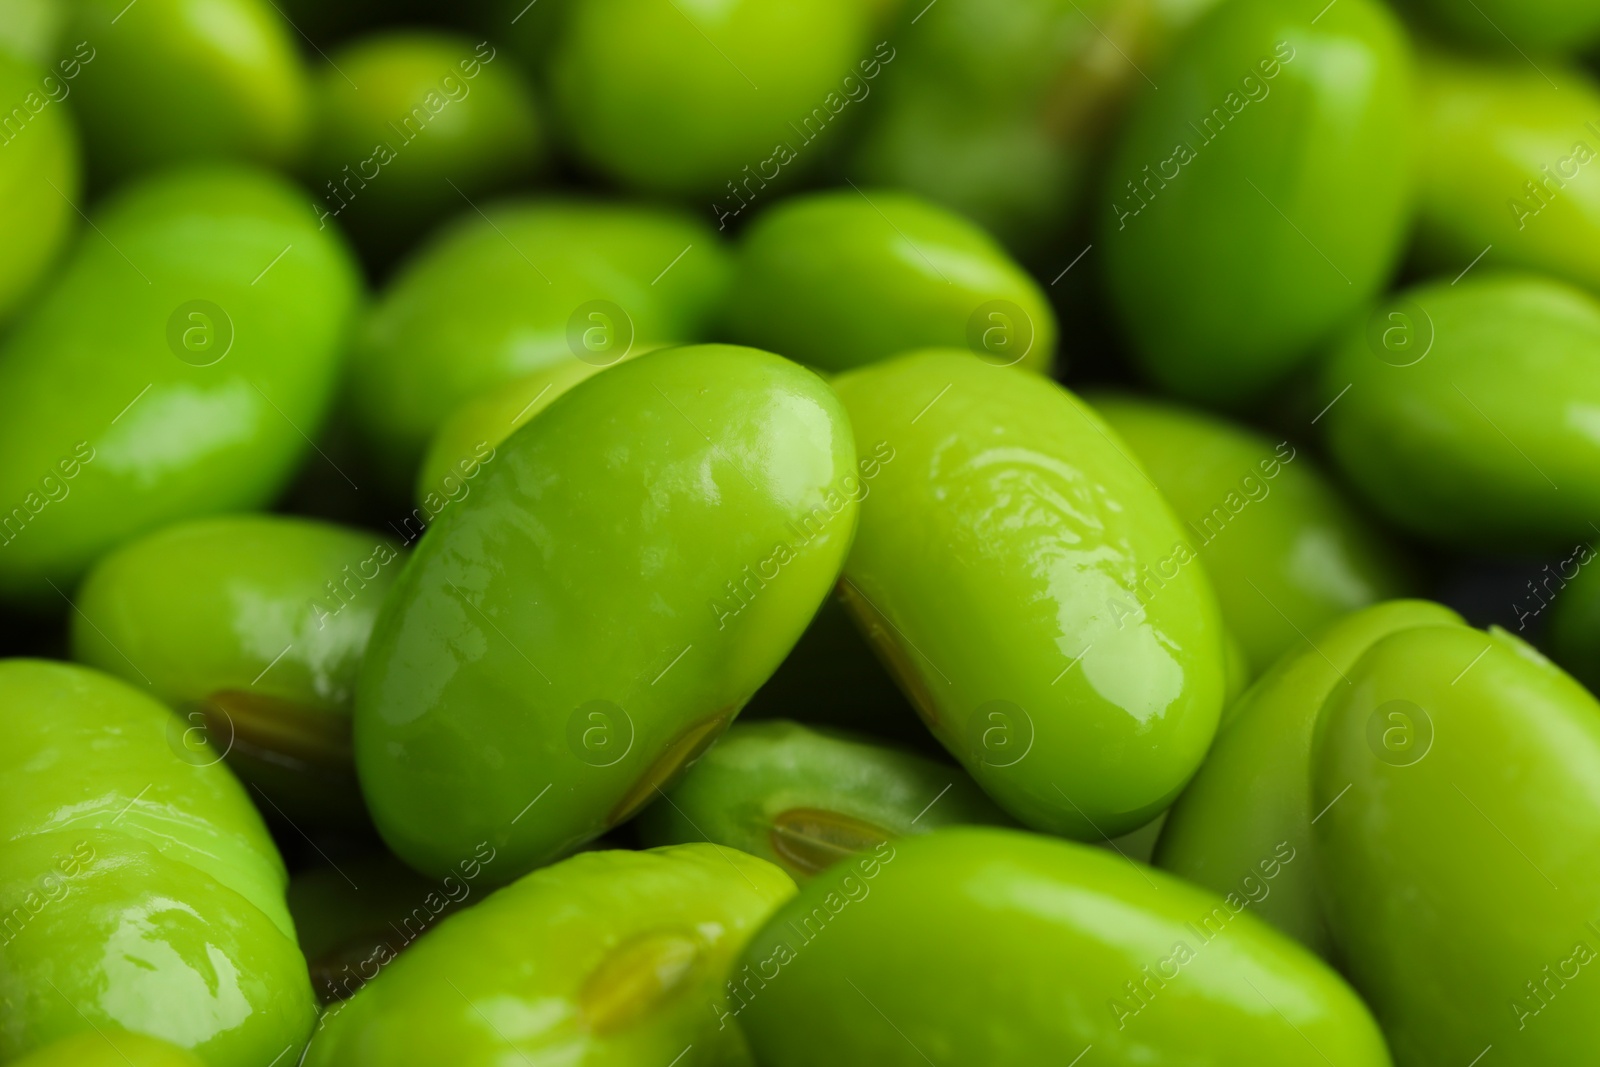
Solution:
(1221, 287)
(489, 300)
(594, 561)
(1286, 553)
(253, 628)
(477, 427)
(113, 1049)
(1574, 634)
(1512, 26)
(90, 364)
(479, 130)
(179, 81)
(679, 99)
(608, 958)
(1490, 128)
(746, 791)
(151, 881)
(841, 279)
(997, 110)
(978, 947)
(1487, 441)
(1008, 534)
(1504, 802)
(35, 220)
(1253, 793)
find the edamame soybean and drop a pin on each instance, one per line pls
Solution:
(999, 111)
(411, 127)
(253, 628)
(1032, 592)
(521, 288)
(1466, 760)
(632, 567)
(807, 798)
(141, 888)
(1464, 419)
(183, 81)
(1508, 168)
(994, 948)
(173, 369)
(1250, 805)
(715, 102)
(1284, 551)
(607, 958)
(38, 149)
(1263, 196)
(841, 279)
(469, 436)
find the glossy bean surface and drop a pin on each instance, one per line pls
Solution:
(937, 938)
(1033, 594)
(625, 575)
(172, 369)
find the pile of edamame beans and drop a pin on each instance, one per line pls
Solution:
(799, 533)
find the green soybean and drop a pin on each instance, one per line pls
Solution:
(807, 798)
(1031, 591)
(253, 628)
(135, 881)
(1508, 168)
(1465, 414)
(38, 150)
(109, 1049)
(178, 81)
(999, 111)
(608, 958)
(1284, 551)
(1249, 809)
(841, 279)
(469, 436)
(706, 101)
(411, 125)
(173, 369)
(1262, 195)
(521, 288)
(630, 569)
(1462, 863)
(993, 947)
